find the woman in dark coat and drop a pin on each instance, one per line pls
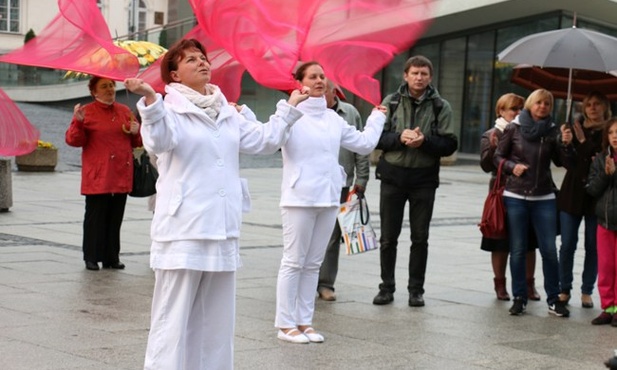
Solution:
(506, 109)
(529, 144)
(575, 205)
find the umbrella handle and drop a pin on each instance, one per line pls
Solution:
(569, 100)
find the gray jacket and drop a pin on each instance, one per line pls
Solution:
(355, 165)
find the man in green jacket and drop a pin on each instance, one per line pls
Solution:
(417, 133)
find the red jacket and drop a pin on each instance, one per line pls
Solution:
(107, 155)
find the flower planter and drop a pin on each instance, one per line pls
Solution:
(40, 160)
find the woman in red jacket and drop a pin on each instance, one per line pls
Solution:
(107, 131)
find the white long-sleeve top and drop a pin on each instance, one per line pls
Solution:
(312, 176)
(199, 191)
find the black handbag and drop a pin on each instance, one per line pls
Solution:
(144, 176)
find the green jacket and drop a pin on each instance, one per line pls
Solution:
(420, 166)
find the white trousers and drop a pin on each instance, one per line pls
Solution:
(306, 232)
(193, 318)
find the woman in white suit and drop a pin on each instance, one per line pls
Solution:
(197, 137)
(310, 195)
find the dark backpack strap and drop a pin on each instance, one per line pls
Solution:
(392, 107)
(437, 106)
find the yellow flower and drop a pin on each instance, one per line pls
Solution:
(45, 145)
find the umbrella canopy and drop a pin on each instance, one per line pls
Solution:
(574, 48)
(556, 81)
(570, 48)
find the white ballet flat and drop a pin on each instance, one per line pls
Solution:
(298, 338)
(313, 336)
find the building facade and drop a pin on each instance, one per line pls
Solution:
(124, 17)
(462, 41)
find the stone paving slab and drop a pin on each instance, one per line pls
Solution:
(56, 315)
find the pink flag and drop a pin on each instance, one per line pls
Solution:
(226, 71)
(77, 39)
(265, 36)
(355, 39)
(351, 39)
(17, 135)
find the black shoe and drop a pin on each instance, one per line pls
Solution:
(383, 297)
(92, 266)
(114, 265)
(416, 300)
(518, 307)
(558, 308)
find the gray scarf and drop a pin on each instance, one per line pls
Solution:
(533, 130)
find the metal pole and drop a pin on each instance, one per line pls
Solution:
(569, 100)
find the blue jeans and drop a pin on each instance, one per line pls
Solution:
(569, 238)
(542, 216)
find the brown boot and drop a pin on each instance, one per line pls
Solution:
(500, 289)
(532, 293)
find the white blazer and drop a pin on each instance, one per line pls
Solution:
(312, 176)
(199, 191)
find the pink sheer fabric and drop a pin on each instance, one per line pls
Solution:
(351, 39)
(265, 36)
(17, 135)
(226, 71)
(77, 39)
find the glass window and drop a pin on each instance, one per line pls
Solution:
(478, 88)
(9, 16)
(451, 81)
(503, 71)
(393, 74)
(262, 100)
(137, 19)
(141, 25)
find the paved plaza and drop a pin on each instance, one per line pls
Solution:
(55, 315)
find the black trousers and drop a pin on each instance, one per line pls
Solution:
(102, 222)
(391, 211)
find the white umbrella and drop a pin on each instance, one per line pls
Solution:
(569, 48)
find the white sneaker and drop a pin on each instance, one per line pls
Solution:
(293, 336)
(313, 336)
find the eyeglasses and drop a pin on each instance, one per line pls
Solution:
(515, 109)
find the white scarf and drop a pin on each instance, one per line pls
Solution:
(500, 124)
(210, 103)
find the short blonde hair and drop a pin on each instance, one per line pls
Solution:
(508, 101)
(539, 95)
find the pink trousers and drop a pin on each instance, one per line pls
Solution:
(607, 266)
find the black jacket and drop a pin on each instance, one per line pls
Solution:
(602, 188)
(537, 155)
(572, 196)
